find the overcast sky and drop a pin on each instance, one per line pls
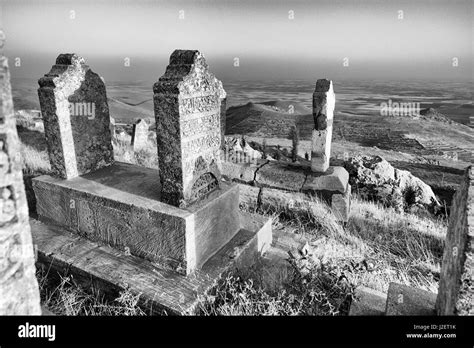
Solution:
(271, 39)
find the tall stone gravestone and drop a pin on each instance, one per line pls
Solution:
(187, 101)
(324, 101)
(456, 286)
(73, 101)
(139, 135)
(19, 294)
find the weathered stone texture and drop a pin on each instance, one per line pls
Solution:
(456, 286)
(140, 135)
(368, 301)
(249, 195)
(335, 179)
(19, 294)
(240, 171)
(187, 103)
(406, 300)
(324, 101)
(341, 204)
(119, 205)
(280, 175)
(76, 118)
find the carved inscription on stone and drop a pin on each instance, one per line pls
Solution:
(187, 101)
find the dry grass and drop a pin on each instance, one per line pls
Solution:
(376, 247)
(63, 296)
(34, 161)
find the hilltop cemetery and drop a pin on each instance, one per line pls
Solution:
(211, 206)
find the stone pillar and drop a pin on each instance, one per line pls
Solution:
(324, 101)
(187, 103)
(140, 135)
(456, 285)
(19, 294)
(76, 118)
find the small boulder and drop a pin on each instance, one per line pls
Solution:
(373, 178)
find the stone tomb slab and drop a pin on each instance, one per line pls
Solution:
(162, 291)
(406, 300)
(120, 205)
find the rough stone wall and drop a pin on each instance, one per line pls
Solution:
(456, 288)
(19, 294)
(76, 118)
(187, 101)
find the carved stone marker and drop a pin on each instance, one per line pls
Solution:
(187, 101)
(19, 294)
(76, 118)
(140, 135)
(324, 101)
(456, 286)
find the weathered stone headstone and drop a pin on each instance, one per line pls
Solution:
(76, 118)
(140, 135)
(187, 101)
(324, 101)
(456, 286)
(19, 294)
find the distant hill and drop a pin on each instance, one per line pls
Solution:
(269, 119)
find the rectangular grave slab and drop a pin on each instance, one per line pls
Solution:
(406, 300)
(161, 290)
(120, 205)
(19, 293)
(367, 301)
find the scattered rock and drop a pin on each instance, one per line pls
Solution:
(376, 179)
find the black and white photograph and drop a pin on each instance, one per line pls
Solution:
(167, 163)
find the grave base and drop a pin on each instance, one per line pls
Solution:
(161, 290)
(119, 205)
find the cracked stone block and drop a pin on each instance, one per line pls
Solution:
(19, 293)
(76, 118)
(280, 175)
(249, 195)
(456, 286)
(240, 171)
(324, 101)
(368, 301)
(406, 300)
(187, 106)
